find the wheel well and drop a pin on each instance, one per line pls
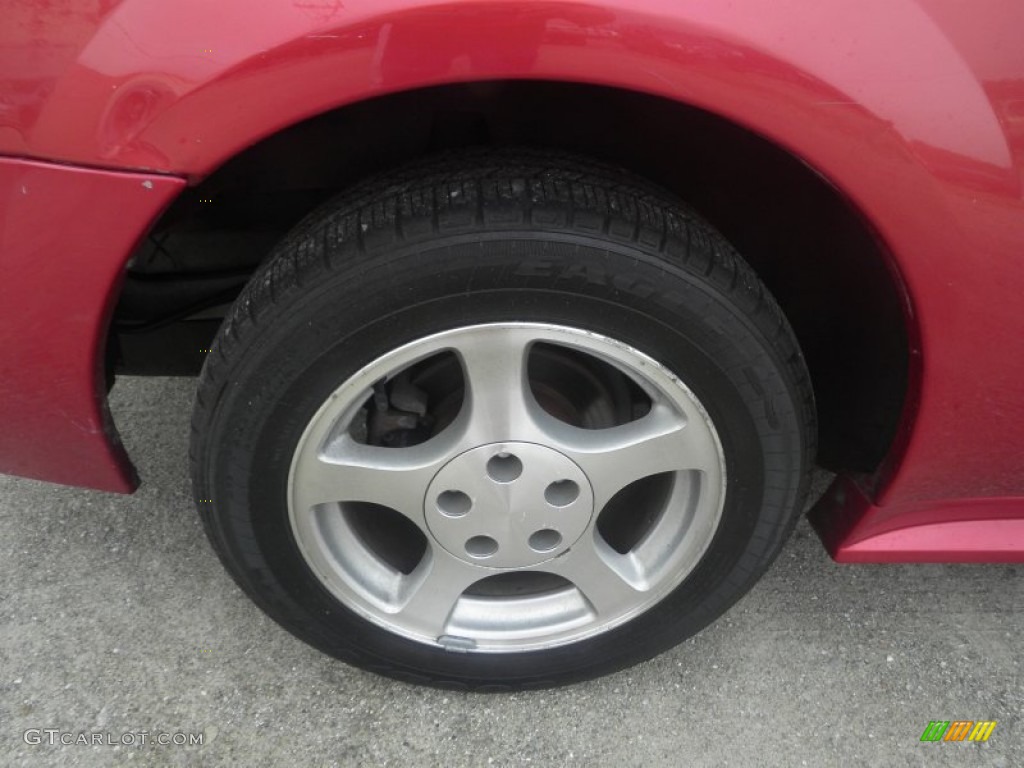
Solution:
(833, 278)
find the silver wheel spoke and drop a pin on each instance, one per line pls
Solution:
(392, 477)
(497, 389)
(434, 589)
(607, 579)
(661, 441)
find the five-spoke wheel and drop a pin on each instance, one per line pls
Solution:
(507, 506)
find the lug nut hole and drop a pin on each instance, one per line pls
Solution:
(561, 493)
(481, 547)
(504, 468)
(545, 540)
(454, 503)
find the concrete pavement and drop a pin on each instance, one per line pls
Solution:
(116, 617)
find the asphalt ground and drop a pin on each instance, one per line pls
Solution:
(116, 619)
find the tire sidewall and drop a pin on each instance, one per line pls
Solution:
(330, 331)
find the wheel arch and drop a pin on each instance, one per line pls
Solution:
(879, 142)
(819, 255)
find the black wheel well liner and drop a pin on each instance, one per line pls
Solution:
(830, 272)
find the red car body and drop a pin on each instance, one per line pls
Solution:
(913, 109)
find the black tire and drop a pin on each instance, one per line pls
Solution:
(488, 237)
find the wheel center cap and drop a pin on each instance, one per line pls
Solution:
(508, 505)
